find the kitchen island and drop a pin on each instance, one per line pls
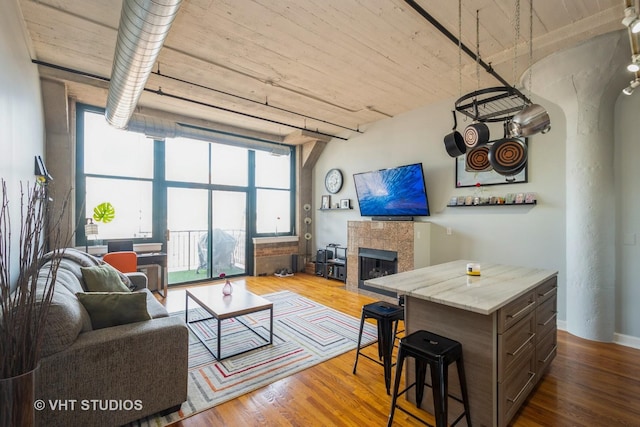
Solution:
(505, 319)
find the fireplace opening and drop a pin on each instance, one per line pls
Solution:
(375, 263)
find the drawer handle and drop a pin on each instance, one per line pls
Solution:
(547, 293)
(531, 335)
(519, 313)
(555, 314)
(515, 399)
(555, 347)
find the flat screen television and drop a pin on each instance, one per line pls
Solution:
(394, 192)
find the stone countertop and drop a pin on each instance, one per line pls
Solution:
(450, 285)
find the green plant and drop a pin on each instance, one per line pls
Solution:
(104, 212)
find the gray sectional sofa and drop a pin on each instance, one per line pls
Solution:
(113, 375)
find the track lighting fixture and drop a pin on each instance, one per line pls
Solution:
(629, 89)
(635, 64)
(631, 20)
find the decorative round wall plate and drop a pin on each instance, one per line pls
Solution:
(307, 220)
(307, 207)
(333, 181)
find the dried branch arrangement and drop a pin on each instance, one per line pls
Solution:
(23, 307)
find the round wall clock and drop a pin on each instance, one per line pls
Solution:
(333, 181)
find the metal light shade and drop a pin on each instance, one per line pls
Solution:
(635, 64)
(629, 89)
(631, 20)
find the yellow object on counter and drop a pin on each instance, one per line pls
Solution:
(473, 269)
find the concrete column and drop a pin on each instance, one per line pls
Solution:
(59, 113)
(585, 81)
(309, 147)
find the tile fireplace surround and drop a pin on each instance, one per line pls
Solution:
(395, 236)
(418, 244)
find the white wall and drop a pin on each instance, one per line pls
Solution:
(627, 177)
(21, 118)
(520, 235)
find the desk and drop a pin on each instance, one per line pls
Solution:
(157, 258)
(505, 320)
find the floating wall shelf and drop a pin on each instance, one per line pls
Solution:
(494, 204)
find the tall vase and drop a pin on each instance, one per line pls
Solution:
(227, 289)
(17, 400)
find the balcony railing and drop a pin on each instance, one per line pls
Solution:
(187, 250)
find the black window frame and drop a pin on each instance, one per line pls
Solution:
(160, 185)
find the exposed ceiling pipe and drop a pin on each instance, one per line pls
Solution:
(204, 104)
(144, 25)
(156, 128)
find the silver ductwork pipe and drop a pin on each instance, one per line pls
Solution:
(161, 129)
(144, 25)
(193, 132)
(152, 127)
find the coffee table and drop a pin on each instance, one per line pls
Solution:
(221, 307)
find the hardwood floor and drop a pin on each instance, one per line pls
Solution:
(588, 383)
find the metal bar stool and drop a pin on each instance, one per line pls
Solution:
(387, 316)
(438, 352)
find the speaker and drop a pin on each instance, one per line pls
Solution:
(320, 256)
(320, 268)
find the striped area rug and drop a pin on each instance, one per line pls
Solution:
(305, 333)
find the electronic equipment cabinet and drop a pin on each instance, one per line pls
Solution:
(331, 262)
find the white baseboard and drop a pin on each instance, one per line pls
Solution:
(621, 339)
(626, 340)
(562, 325)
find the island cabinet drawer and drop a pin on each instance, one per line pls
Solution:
(547, 289)
(516, 344)
(516, 310)
(546, 350)
(546, 314)
(515, 388)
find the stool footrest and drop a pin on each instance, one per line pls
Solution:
(459, 399)
(374, 360)
(414, 416)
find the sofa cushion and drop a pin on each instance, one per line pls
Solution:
(154, 307)
(66, 318)
(114, 308)
(103, 278)
(73, 259)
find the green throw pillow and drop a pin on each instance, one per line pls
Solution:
(103, 278)
(114, 308)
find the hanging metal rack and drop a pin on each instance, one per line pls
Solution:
(493, 104)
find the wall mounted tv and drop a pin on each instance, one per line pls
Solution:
(392, 193)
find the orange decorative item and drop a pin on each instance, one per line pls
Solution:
(124, 262)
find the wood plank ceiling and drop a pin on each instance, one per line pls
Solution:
(331, 66)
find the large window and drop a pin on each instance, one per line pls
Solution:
(187, 160)
(118, 168)
(273, 194)
(134, 173)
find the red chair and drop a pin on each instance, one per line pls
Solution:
(124, 262)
